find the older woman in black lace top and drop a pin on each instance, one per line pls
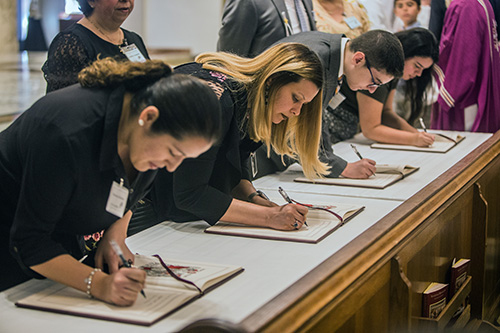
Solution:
(97, 34)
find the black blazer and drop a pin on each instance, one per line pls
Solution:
(251, 26)
(328, 47)
(201, 188)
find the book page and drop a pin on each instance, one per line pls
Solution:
(145, 311)
(389, 168)
(379, 180)
(320, 224)
(203, 275)
(442, 144)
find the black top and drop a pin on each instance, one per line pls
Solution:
(75, 48)
(381, 94)
(201, 188)
(58, 161)
(342, 123)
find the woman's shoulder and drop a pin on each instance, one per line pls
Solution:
(76, 33)
(131, 34)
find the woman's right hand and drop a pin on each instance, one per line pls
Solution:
(120, 288)
(423, 139)
(287, 216)
(361, 169)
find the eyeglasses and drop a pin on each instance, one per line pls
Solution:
(374, 84)
(290, 200)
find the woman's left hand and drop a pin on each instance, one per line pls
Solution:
(105, 252)
(263, 202)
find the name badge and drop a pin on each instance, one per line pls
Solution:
(352, 22)
(117, 200)
(336, 100)
(132, 53)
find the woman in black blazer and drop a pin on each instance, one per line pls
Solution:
(272, 99)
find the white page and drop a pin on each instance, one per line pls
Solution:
(431, 166)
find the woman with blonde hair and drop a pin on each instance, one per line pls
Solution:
(78, 161)
(272, 99)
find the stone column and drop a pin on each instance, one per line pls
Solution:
(8, 29)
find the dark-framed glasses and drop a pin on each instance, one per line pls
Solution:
(374, 84)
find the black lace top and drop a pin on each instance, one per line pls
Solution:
(75, 48)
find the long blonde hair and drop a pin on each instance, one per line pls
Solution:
(262, 77)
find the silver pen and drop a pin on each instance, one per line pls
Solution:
(125, 263)
(423, 124)
(356, 151)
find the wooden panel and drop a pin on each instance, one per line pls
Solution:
(490, 190)
(400, 297)
(426, 231)
(364, 310)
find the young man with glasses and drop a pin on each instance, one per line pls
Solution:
(372, 110)
(345, 64)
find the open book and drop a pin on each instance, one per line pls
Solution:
(385, 175)
(442, 143)
(321, 224)
(164, 293)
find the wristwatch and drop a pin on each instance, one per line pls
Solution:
(257, 193)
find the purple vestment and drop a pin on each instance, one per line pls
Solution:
(470, 62)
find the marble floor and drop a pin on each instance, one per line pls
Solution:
(22, 82)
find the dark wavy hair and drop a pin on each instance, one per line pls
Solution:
(382, 49)
(85, 7)
(187, 105)
(418, 42)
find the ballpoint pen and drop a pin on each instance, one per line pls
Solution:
(287, 199)
(423, 124)
(290, 200)
(119, 253)
(356, 151)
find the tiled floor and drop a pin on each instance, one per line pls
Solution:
(22, 82)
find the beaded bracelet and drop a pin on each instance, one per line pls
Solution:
(88, 281)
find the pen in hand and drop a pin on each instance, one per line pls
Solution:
(356, 151)
(423, 124)
(287, 199)
(125, 263)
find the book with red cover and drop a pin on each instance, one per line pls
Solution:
(458, 275)
(434, 299)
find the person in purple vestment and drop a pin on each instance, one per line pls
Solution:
(469, 94)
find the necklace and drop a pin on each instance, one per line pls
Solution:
(106, 35)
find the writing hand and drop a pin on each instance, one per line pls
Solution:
(288, 217)
(361, 169)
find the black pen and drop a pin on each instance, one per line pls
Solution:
(423, 124)
(356, 151)
(119, 253)
(287, 199)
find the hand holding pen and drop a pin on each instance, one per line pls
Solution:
(361, 169)
(290, 201)
(424, 139)
(125, 263)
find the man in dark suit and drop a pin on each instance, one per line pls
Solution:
(366, 62)
(251, 26)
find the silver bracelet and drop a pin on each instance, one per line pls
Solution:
(88, 281)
